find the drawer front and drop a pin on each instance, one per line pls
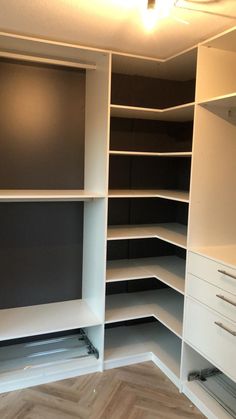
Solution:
(210, 339)
(217, 274)
(215, 298)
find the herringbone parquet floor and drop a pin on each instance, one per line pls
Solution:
(135, 392)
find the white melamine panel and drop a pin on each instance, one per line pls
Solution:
(168, 269)
(173, 233)
(45, 318)
(127, 342)
(94, 255)
(210, 339)
(215, 73)
(213, 191)
(221, 254)
(173, 195)
(217, 299)
(97, 125)
(164, 304)
(208, 270)
(179, 113)
(151, 153)
(34, 195)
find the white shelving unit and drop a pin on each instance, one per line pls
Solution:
(209, 232)
(173, 233)
(168, 269)
(165, 305)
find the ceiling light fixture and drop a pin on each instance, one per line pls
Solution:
(155, 10)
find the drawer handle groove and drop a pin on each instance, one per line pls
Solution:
(227, 300)
(227, 329)
(226, 273)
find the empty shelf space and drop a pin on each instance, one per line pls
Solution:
(175, 195)
(164, 304)
(151, 153)
(168, 269)
(173, 233)
(45, 318)
(176, 113)
(130, 341)
(34, 195)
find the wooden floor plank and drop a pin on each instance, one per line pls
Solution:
(139, 391)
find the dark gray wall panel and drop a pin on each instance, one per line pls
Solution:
(40, 253)
(42, 123)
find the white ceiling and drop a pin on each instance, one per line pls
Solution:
(116, 24)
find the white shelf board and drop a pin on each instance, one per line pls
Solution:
(173, 233)
(164, 304)
(173, 195)
(130, 341)
(151, 153)
(222, 254)
(45, 318)
(34, 195)
(179, 113)
(224, 106)
(168, 269)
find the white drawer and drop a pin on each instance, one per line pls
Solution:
(216, 273)
(214, 297)
(216, 343)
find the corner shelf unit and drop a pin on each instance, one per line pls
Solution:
(181, 196)
(165, 305)
(176, 113)
(102, 205)
(170, 232)
(138, 343)
(168, 269)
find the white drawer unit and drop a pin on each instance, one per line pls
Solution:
(213, 335)
(216, 273)
(212, 296)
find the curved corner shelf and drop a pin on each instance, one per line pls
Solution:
(173, 195)
(164, 304)
(173, 233)
(181, 113)
(168, 269)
